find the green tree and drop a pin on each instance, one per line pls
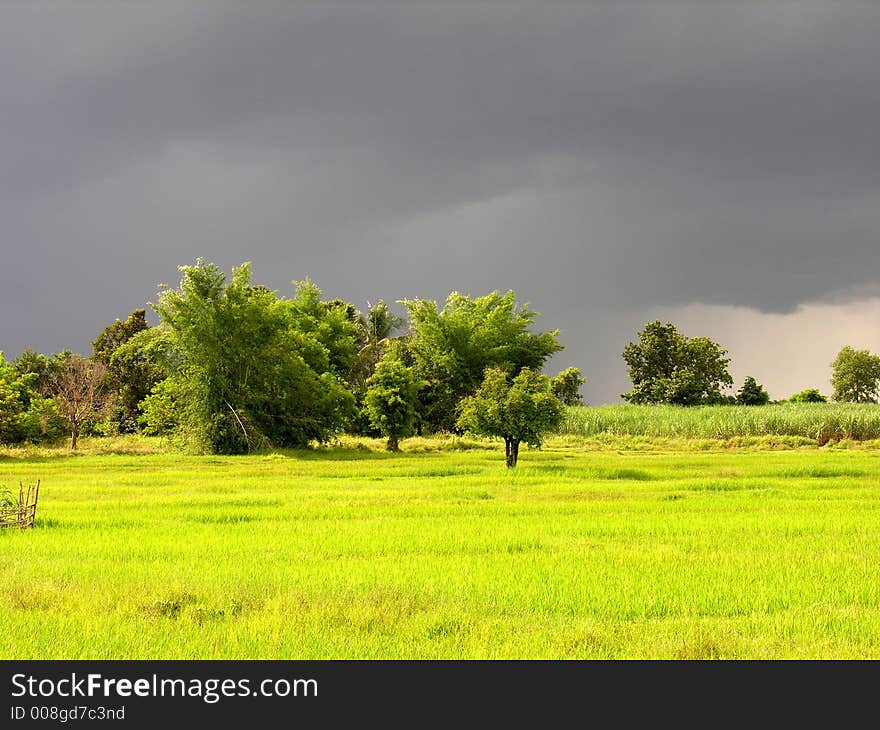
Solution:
(522, 409)
(752, 393)
(25, 413)
(855, 376)
(34, 363)
(117, 334)
(333, 325)
(30, 377)
(244, 374)
(11, 414)
(375, 330)
(567, 386)
(132, 368)
(391, 400)
(375, 339)
(667, 367)
(450, 348)
(811, 395)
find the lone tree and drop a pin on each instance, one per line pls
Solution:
(523, 409)
(752, 394)
(567, 386)
(78, 387)
(667, 367)
(855, 376)
(391, 399)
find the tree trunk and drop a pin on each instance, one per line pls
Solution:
(393, 443)
(74, 435)
(511, 452)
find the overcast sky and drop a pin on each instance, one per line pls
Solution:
(716, 164)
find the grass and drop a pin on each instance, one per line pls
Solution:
(583, 551)
(817, 422)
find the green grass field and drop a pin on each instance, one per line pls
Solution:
(586, 550)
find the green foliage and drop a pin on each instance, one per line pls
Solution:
(134, 365)
(567, 386)
(380, 322)
(391, 399)
(855, 376)
(117, 334)
(450, 349)
(752, 394)
(667, 367)
(11, 414)
(243, 374)
(34, 363)
(523, 409)
(810, 395)
(25, 414)
(7, 500)
(43, 422)
(333, 325)
(375, 332)
(159, 410)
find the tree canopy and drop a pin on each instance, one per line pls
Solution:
(519, 409)
(246, 374)
(391, 399)
(566, 386)
(667, 367)
(451, 347)
(752, 393)
(855, 376)
(232, 366)
(131, 370)
(27, 412)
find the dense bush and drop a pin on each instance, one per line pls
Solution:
(810, 395)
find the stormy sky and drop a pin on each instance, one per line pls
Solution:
(716, 164)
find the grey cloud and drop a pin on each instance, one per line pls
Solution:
(602, 160)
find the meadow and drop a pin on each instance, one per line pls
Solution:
(591, 548)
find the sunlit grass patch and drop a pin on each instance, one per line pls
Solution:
(659, 548)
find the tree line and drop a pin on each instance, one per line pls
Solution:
(233, 367)
(667, 367)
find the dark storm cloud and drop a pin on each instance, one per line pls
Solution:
(603, 160)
